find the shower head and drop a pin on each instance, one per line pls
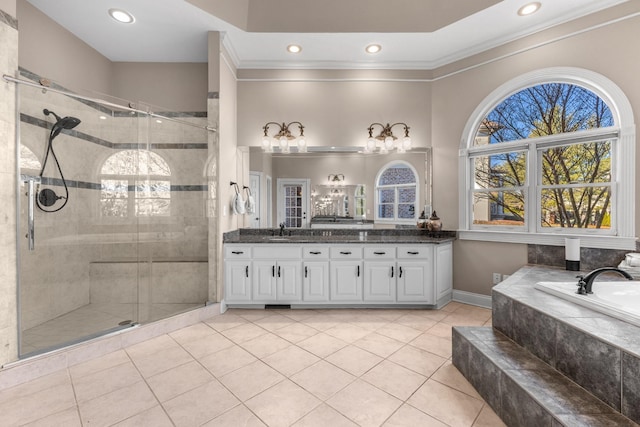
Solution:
(61, 123)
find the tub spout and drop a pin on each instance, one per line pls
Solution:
(585, 283)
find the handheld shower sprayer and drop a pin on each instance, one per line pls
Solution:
(48, 197)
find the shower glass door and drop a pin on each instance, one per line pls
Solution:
(112, 225)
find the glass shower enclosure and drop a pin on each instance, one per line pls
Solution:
(112, 222)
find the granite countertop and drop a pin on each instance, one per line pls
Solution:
(338, 236)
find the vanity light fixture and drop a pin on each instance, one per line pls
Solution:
(373, 48)
(294, 48)
(529, 8)
(122, 16)
(387, 139)
(335, 179)
(282, 138)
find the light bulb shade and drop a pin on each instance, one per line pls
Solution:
(284, 144)
(266, 143)
(302, 144)
(388, 143)
(371, 144)
(406, 143)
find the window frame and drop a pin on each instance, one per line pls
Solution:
(622, 232)
(133, 181)
(395, 219)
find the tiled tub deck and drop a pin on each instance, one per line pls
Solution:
(547, 361)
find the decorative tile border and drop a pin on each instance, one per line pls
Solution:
(5, 18)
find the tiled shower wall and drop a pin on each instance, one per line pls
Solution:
(57, 277)
(8, 66)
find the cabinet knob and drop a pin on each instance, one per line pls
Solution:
(237, 252)
(379, 253)
(400, 272)
(346, 253)
(412, 253)
(315, 253)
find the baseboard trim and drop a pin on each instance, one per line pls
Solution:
(472, 298)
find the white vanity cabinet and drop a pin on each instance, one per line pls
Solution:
(415, 274)
(276, 273)
(237, 273)
(380, 272)
(346, 273)
(308, 274)
(315, 274)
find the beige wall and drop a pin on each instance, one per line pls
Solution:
(603, 50)
(336, 107)
(8, 6)
(337, 110)
(51, 51)
(172, 86)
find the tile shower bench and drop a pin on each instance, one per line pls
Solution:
(547, 361)
(337, 268)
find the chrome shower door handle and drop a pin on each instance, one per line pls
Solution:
(31, 199)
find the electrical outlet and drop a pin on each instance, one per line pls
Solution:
(497, 278)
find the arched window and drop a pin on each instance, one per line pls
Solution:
(545, 158)
(138, 173)
(28, 160)
(397, 193)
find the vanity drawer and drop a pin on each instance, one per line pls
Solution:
(279, 251)
(311, 252)
(346, 252)
(415, 252)
(237, 252)
(380, 252)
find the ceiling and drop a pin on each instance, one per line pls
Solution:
(414, 34)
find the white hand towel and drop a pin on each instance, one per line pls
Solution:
(250, 204)
(238, 205)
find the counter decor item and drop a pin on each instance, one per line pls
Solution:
(434, 223)
(422, 221)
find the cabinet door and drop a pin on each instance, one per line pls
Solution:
(380, 280)
(415, 281)
(346, 280)
(444, 269)
(264, 281)
(315, 281)
(237, 281)
(288, 281)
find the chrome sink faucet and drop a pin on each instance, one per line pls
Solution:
(585, 283)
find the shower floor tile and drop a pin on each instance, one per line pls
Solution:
(93, 320)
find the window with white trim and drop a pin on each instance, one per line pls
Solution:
(140, 173)
(397, 193)
(547, 158)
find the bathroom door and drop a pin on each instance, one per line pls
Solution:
(293, 202)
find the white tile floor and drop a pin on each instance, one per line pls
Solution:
(341, 367)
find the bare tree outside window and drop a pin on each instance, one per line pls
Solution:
(574, 178)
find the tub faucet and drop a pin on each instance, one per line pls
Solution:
(282, 228)
(585, 283)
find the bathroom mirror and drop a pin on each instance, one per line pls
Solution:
(312, 187)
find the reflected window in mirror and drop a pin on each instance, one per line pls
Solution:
(360, 202)
(397, 193)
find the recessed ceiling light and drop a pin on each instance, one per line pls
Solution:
(103, 117)
(158, 121)
(529, 8)
(122, 16)
(373, 48)
(294, 48)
